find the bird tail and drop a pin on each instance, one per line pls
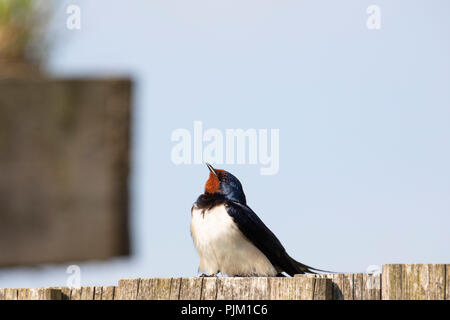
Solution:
(301, 268)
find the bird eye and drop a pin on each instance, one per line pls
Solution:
(222, 177)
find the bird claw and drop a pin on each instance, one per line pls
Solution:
(204, 275)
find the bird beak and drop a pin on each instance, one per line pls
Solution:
(210, 167)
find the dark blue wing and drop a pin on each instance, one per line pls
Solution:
(264, 239)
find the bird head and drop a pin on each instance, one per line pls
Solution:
(221, 182)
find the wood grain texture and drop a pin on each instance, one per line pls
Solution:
(337, 286)
(259, 288)
(34, 294)
(309, 287)
(241, 288)
(224, 288)
(161, 288)
(281, 288)
(191, 288)
(108, 292)
(414, 282)
(87, 293)
(175, 286)
(423, 282)
(145, 289)
(371, 286)
(437, 282)
(209, 288)
(98, 291)
(23, 294)
(298, 288)
(322, 289)
(447, 282)
(358, 286)
(11, 294)
(391, 282)
(40, 294)
(343, 286)
(304, 288)
(49, 294)
(75, 293)
(65, 293)
(407, 281)
(348, 286)
(127, 289)
(366, 286)
(328, 287)
(154, 289)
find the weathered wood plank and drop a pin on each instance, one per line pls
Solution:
(447, 282)
(98, 291)
(358, 286)
(23, 294)
(224, 288)
(75, 293)
(11, 294)
(391, 286)
(241, 288)
(315, 286)
(175, 286)
(191, 289)
(161, 288)
(437, 282)
(39, 294)
(337, 285)
(209, 289)
(332, 289)
(413, 281)
(348, 286)
(323, 289)
(259, 288)
(146, 289)
(49, 294)
(127, 289)
(154, 289)
(65, 293)
(423, 282)
(87, 293)
(371, 286)
(34, 294)
(281, 288)
(108, 292)
(304, 288)
(411, 287)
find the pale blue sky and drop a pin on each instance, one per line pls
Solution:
(364, 120)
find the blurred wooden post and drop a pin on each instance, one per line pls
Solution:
(64, 148)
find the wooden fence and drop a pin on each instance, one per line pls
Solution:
(396, 282)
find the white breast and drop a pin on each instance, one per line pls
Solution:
(223, 248)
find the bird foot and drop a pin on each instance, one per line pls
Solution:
(204, 275)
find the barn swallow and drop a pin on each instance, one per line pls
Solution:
(231, 239)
